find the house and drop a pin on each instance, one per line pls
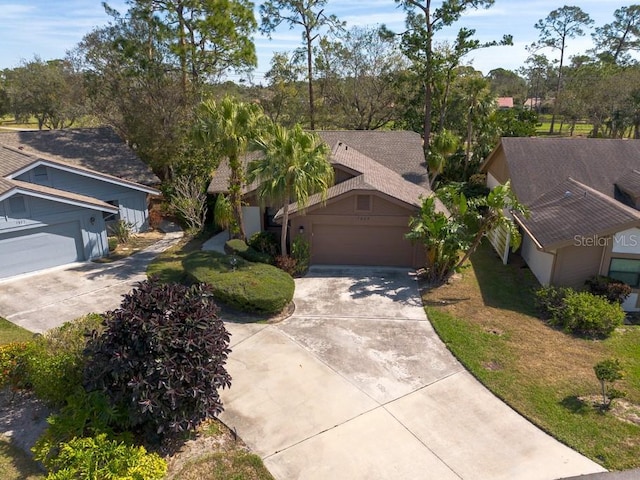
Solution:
(58, 192)
(381, 178)
(505, 103)
(584, 198)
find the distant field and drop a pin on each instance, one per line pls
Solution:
(8, 122)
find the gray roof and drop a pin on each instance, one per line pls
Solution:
(538, 164)
(399, 151)
(571, 211)
(14, 160)
(99, 149)
(569, 185)
(370, 176)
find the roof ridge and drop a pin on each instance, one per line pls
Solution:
(606, 198)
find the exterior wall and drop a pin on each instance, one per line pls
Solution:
(492, 182)
(132, 203)
(47, 234)
(252, 219)
(624, 244)
(540, 263)
(574, 264)
(375, 237)
(498, 168)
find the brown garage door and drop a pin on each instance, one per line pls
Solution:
(360, 245)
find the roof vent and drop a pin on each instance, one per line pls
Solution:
(20, 147)
(567, 194)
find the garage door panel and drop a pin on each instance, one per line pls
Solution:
(36, 249)
(360, 245)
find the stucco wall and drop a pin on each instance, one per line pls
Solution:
(540, 263)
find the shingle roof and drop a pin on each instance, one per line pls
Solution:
(537, 165)
(13, 160)
(399, 151)
(571, 211)
(64, 195)
(99, 149)
(629, 183)
(372, 177)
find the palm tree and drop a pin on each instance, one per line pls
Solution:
(226, 129)
(294, 167)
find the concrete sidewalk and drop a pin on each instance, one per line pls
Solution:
(47, 299)
(356, 384)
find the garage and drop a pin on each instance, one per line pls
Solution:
(361, 245)
(40, 248)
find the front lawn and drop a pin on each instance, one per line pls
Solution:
(486, 318)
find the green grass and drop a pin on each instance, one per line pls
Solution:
(10, 332)
(487, 320)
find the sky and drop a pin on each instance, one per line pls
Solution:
(49, 28)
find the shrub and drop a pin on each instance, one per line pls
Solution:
(265, 242)
(608, 372)
(249, 287)
(113, 243)
(549, 300)
(85, 414)
(301, 252)
(13, 365)
(579, 312)
(287, 264)
(613, 290)
(122, 230)
(162, 357)
(54, 361)
(100, 458)
(238, 247)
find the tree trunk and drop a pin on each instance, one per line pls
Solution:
(312, 122)
(285, 228)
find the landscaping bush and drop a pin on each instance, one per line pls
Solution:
(122, 231)
(161, 357)
(613, 290)
(549, 300)
(13, 365)
(301, 252)
(85, 414)
(102, 458)
(249, 287)
(238, 247)
(54, 361)
(265, 242)
(579, 312)
(287, 264)
(113, 243)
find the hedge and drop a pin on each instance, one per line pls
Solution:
(247, 286)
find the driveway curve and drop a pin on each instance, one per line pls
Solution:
(356, 384)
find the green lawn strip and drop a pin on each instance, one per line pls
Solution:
(229, 465)
(486, 320)
(10, 332)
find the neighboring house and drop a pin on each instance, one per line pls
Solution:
(584, 196)
(380, 179)
(58, 192)
(505, 103)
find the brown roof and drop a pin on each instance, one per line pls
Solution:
(371, 176)
(399, 151)
(537, 165)
(572, 211)
(99, 149)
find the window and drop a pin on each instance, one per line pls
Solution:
(363, 203)
(17, 205)
(626, 270)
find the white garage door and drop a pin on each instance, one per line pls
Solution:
(32, 250)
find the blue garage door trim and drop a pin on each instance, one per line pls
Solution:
(40, 248)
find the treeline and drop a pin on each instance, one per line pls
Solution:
(146, 71)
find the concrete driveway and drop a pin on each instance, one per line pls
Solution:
(44, 300)
(356, 384)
